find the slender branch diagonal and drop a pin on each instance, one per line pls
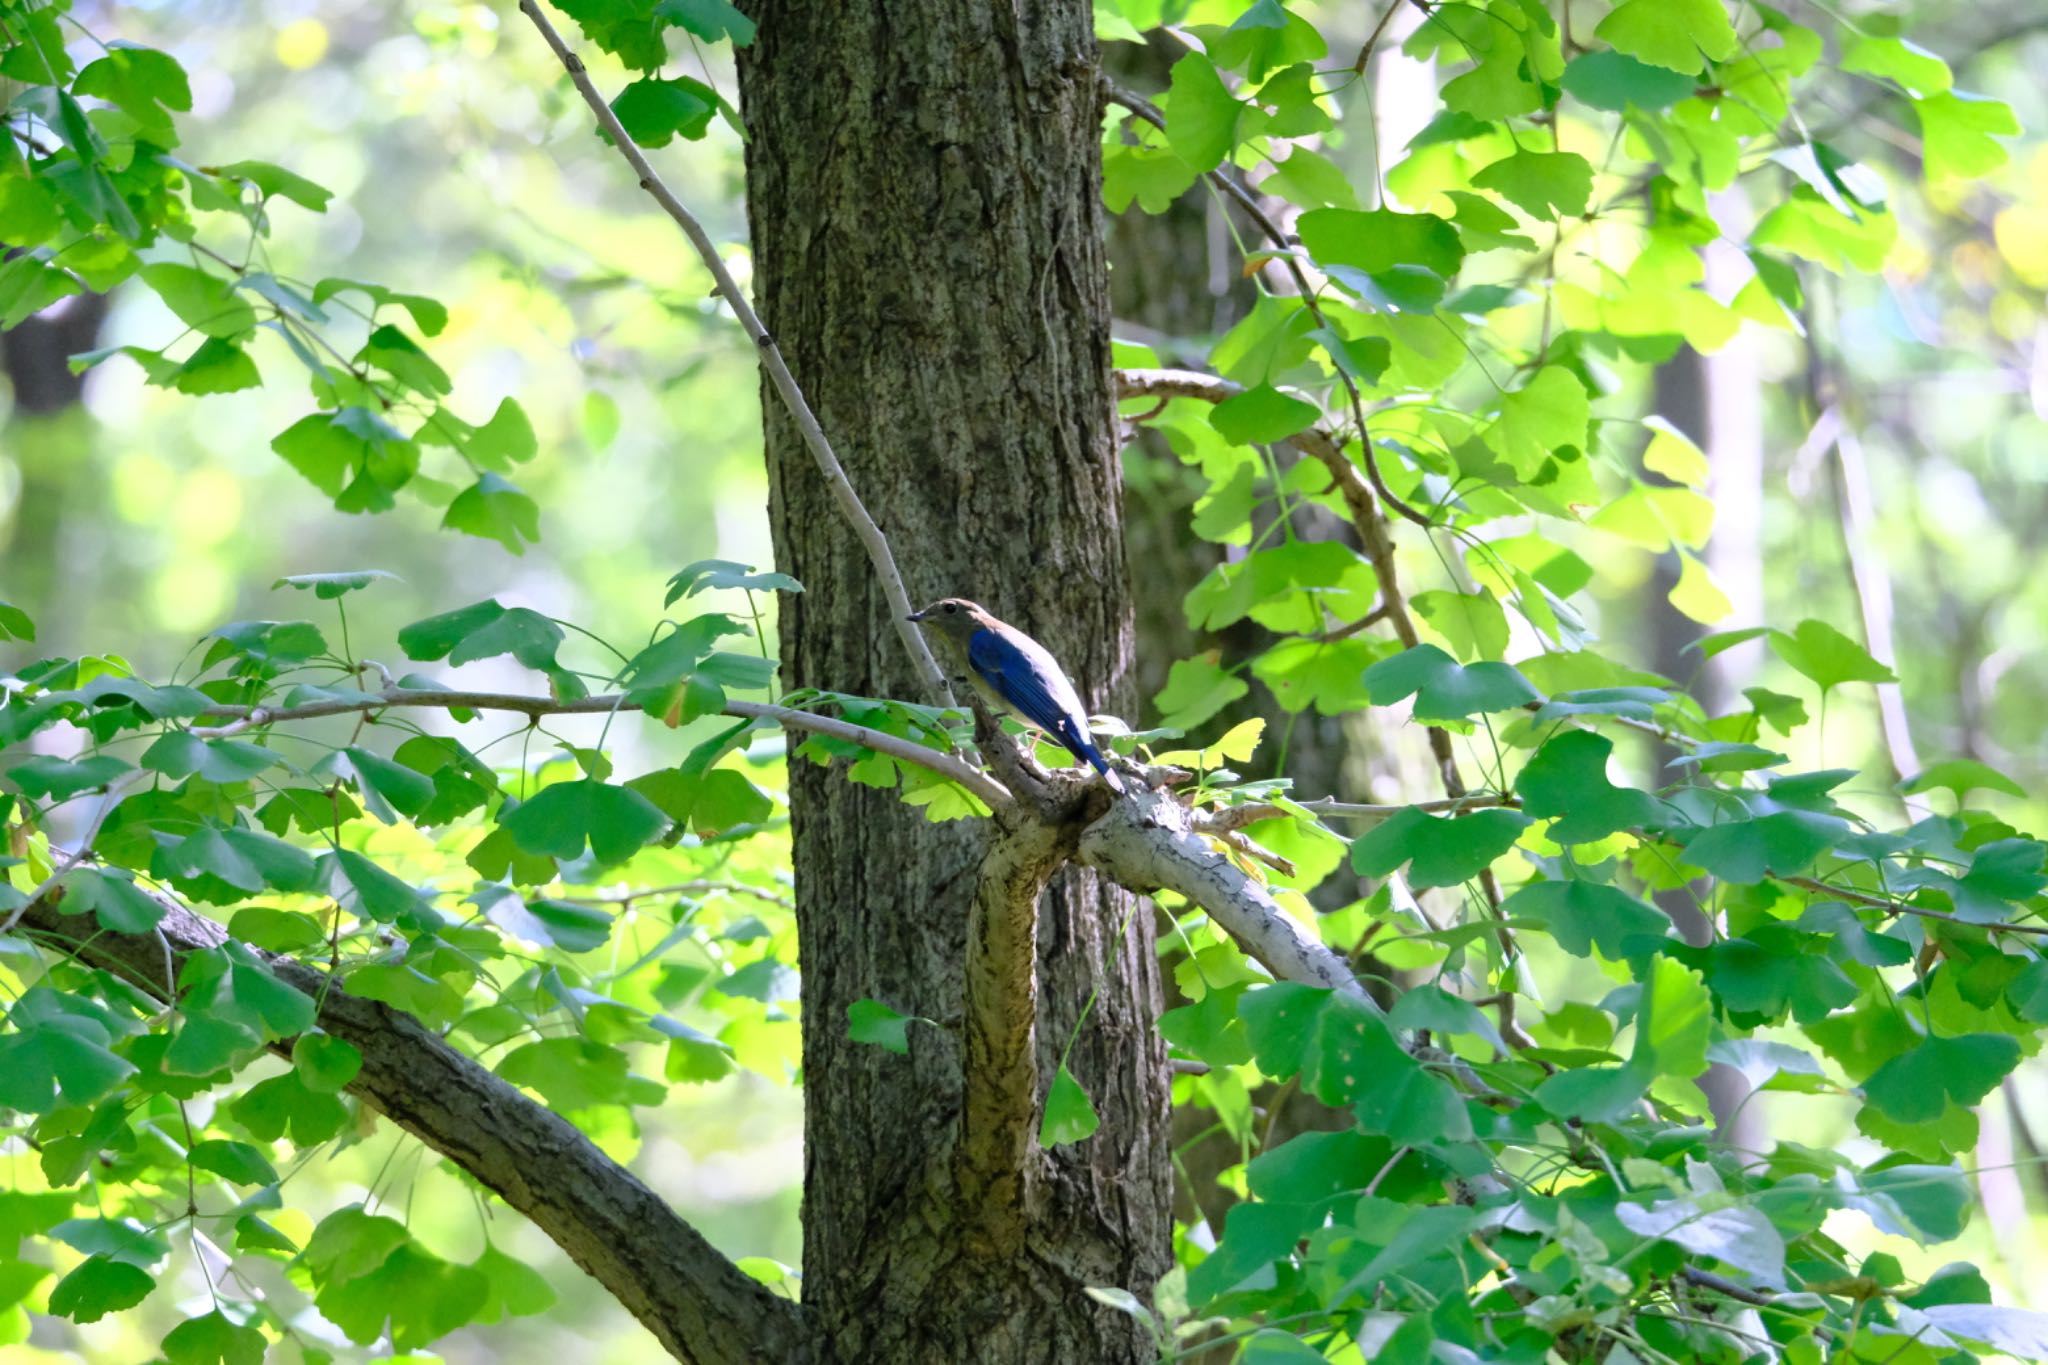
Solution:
(698, 1304)
(785, 385)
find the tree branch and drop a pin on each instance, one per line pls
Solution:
(1147, 842)
(996, 1169)
(992, 792)
(856, 513)
(698, 1304)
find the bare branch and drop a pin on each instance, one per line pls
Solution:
(696, 1302)
(992, 792)
(1856, 509)
(1237, 817)
(1147, 842)
(702, 886)
(928, 671)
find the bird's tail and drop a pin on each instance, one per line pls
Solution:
(1101, 765)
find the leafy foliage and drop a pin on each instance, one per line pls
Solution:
(1527, 1170)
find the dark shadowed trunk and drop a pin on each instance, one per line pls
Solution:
(923, 189)
(1685, 395)
(48, 440)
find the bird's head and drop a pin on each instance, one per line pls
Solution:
(954, 616)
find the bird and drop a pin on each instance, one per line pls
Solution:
(1016, 673)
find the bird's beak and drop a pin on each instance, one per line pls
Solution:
(915, 616)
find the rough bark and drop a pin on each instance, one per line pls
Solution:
(923, 192)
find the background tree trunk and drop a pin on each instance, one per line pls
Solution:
(925, 203)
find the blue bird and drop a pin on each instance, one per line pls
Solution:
(1016, 673)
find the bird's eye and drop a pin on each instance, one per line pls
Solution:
(950, 608)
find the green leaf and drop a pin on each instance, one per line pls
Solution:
(578, 1073)
(495, 509)
(181, 754)
(204, 302)
(388, 789)
(1583, 915)
(1917, 1085)
(1567, 780)
(1548, 414)
(872, 1022)
(1594, 1094)
(15, 624)
(1069, 1115)
(725, 573)
(1445, 689)
(571, 927)
(328, 586)
(1917, 70)
(1151, 177)
(118, 903)
(1201, 114)
(238, 1161)
(1962, 776)
(516, 1288)
(1785, 844)
(365, 889)
(711, 20)
(1541, 184)
(270, 1108)
(275, 182)
(1209, 1029)
(422, 1296)
(1266, 37)
(427, 314)
(1739, 1236)
(1473, 622)
(61, 779)
(1826, 656)
(1959, 134)
(1445, 850)
(709, 802)
(324, 1063)
(615, 821)
(1615, 81)
(507, 439)
(100, 1286)
(52, 1050)
(213, 1340)
(217, 367)
(143, 83)
(351, 451)
(1674, 1021)
(654, 111)
(1196, 689)
(1380, 239)
(1680, 34)
(1435, 1009)
(1261, 416)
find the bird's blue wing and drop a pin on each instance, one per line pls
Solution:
(1025, 676)
(1029, 685)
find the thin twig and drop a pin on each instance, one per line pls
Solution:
(910, 751)
(1285, 244)
(691, 888)
(877, 545)
(108, 800)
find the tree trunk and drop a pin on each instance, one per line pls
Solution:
(923, 188)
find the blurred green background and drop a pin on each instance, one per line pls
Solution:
(135, 519)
